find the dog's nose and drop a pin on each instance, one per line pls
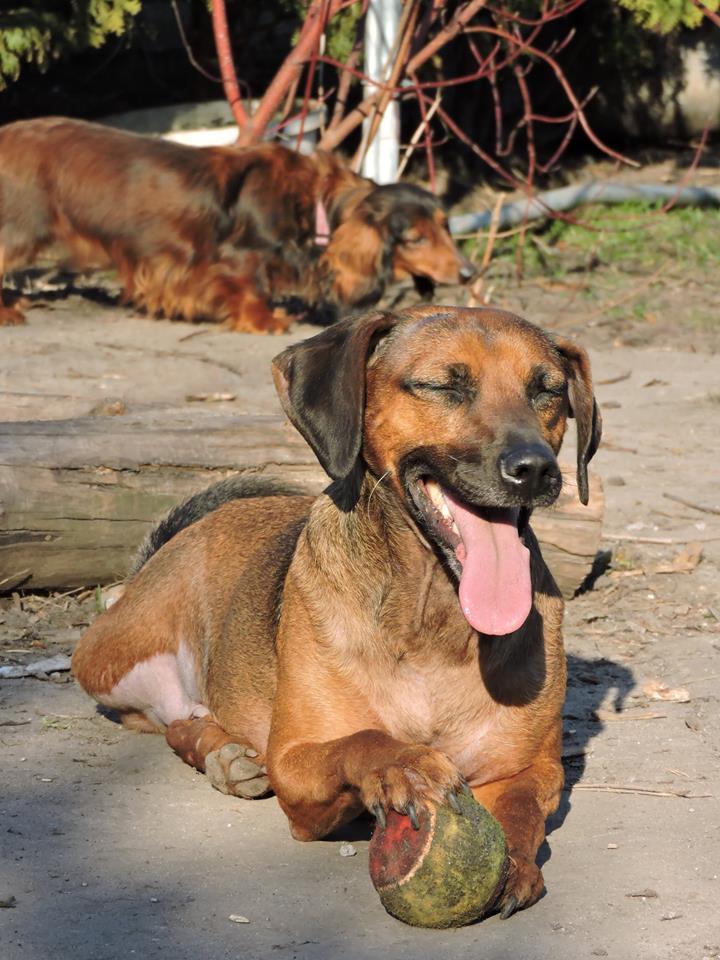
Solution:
(529, 469)
(467, 271)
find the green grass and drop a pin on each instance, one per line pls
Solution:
(629, 237)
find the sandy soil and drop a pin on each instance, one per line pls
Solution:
(112, 848)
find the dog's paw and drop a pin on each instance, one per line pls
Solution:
(11, 317)
(415, 775)
(523, 886)
(232, 770)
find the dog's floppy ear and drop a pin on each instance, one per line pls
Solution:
(584, 408)
(321, 384)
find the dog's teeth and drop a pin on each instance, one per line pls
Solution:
(438, 500)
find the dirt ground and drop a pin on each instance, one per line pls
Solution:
(112, 848)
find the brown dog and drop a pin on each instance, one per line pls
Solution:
(250, 237)
(397, 636)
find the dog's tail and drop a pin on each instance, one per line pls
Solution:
(208, 500)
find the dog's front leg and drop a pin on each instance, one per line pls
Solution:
(522, 804)
(321, 785)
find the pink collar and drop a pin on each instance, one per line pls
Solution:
(322, 227)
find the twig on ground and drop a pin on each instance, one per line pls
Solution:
(609, 445)
(611, 715)
(625, 375)
(642, 791)
(55, 597)
(679, 773)
(664, 541)
(178, 354)
(195, 333)
(693, 506)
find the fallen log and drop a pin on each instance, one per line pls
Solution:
(78, 496)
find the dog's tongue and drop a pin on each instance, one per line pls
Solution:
(495, 589)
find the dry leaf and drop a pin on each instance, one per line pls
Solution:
(689, 558)
(684, 562)
(657, 690)
(109, 407)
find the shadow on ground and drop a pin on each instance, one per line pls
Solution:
(112, 847)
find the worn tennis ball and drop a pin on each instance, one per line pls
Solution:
(446, 874)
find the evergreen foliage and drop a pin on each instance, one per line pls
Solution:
(666, 15)
(39, 30)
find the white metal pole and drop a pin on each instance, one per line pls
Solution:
(381, 27)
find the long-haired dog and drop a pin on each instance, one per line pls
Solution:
(247, 237)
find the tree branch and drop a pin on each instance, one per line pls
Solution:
(225, 60)
(318, 14)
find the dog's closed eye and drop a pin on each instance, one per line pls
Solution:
(548, 395)
(413, 239)
(455, 386)
(544, 388)
(447, 391)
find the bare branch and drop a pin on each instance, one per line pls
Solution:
(569, 92)
(227, 67)
(318, 14)
(448, 33)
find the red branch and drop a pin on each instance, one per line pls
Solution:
(458, 23)
(512, 45)
(427, 137)
(561, 10)
(227, 67)
(569, 92)
(318, 14)
(710, 14)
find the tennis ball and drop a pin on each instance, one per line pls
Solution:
(447, 873)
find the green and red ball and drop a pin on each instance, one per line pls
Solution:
(447, 873)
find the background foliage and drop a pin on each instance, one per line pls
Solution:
(42, 29)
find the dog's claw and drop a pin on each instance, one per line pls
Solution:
(412, 814)
(509, 908)
(453, 801)
(466, 788)
(380, 816)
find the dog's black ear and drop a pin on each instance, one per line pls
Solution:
(584, 408)
(394, 207)
(321, 384)
(398, 226)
